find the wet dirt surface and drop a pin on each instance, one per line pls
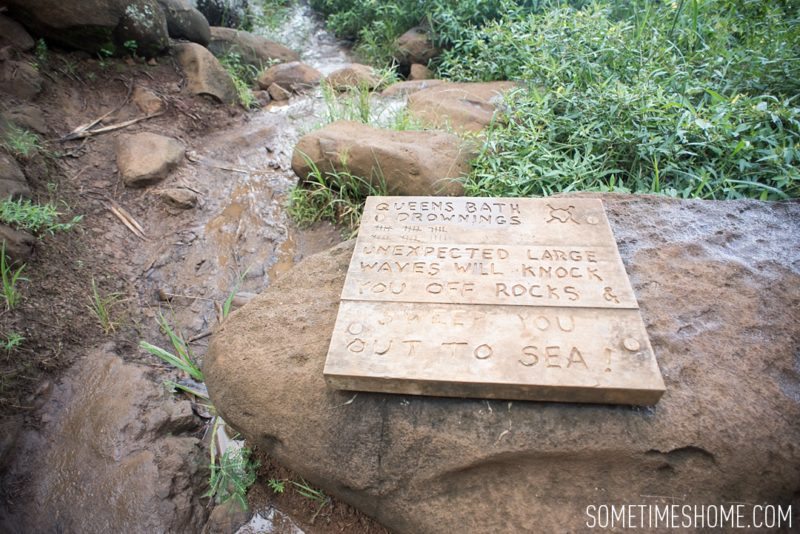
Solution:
(104, 446)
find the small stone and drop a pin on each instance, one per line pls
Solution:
(146, 100)
(13, 34)
(354, 75)
(146, 158)
(226, 518)
(27, 116)
(278, 93)
(420, 72)
(180, 197)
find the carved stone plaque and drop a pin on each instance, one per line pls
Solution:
(493, 298)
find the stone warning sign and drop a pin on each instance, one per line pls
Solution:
(492, 298)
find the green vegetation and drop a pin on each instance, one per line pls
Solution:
(20, 142)
(333, 196)
(693, 98)
(35, 218)
(232, 472)
(181, 358)
(10, 277)
(101, 305)
(278, 486)
(9, 342)
(243, 75)
(272, 13)
(131, 46)
(40, 52)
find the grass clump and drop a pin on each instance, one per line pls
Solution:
(20, 142)
(335, 196)
(35, 218)
(9, 276)
(101, 305)
(181, 358)
(11, 341)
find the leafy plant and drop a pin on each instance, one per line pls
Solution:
(131, 46)
(101, 306)
(35, 218)
(278, 486)
(11, 341)
(232, 472)
(10, 277)
(181, 358)
(40, 52)
(243, 75)
(20, 142)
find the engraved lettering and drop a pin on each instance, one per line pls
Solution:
(412, 345)
(483, 352)
(575, 357)
(529, 356)
(454, 345)
(552, 354)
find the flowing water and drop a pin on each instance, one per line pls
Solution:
(107, 457)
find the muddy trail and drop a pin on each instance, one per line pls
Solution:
(100, 444)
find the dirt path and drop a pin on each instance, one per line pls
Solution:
(104, 446)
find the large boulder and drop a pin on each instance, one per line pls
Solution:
(466, 107)
(13, 34)
(25, 116)
(294, 77)
(204, 73)
(185, 22)
(410, 86)
(415, 46)
(146, 158)
(253, 49)
(718, 284)
(408, 162)
(94, 25)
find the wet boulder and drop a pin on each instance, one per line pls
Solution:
(415, 46)
(13, 34)
(95, 25)
(718, 284)
(354, 75)
(407, 162)
(185, 22)
(204, 73)
(252, 49)
(293, 77)
(466, 107)
(146, 158)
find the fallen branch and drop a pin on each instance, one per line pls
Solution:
(84, 131)
(128, 220)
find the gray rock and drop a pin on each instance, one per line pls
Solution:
(204, 73)
(146, 158)
(415, 46)
(93, 25)
(20, 79)
(718, 284)
(185, 22)
(179, 197)
(27, 116)
(13, 34)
